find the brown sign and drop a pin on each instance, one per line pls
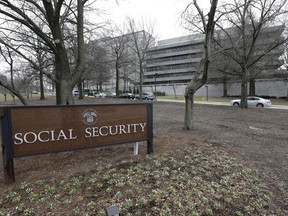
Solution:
(46, 129)
(42, 130)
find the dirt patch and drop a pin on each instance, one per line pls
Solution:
(257, 137)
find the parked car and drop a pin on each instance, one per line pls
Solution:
(75, 92)
(146, 96)
(127, 95)
(110, 95)
(253, 101)
(101, 94)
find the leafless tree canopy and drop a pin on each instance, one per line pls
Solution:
(56, 26)
(252, 29)
(242, 27)
(142, 38)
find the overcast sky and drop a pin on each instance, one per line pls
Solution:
(166, 14)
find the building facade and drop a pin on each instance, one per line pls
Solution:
(172, 63)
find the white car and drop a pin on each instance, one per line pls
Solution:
(75, 92)
(146, 96)
(253, 101)
(101, 94)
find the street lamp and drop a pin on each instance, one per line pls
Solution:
(155, 76)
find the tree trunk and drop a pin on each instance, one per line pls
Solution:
(100, 86)
(244, 88)
(225, 92)
(80, 90)
(201, 75)
(175, 90)
(287, 91)
(189, 109)
(80, 48)
(141, 82)
(64, 86)
(42, 96)
(252, 87)
(21, 98)
(66, 93)
(117, 81)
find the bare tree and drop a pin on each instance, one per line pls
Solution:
(9, 84)
(129, 76)
(142, 39)
(225, 69)
(117, 41)
(21, 16)
(43, 61)
(200, 77)
(174, 86)
(97, 67)
(249, 22)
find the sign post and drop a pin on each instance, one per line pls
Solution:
(7, 154)
(33, 130)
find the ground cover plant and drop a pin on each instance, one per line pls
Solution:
(189, 181)
(233, 163)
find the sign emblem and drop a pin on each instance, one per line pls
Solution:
(90, 117)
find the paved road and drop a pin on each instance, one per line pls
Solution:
(278, 107)
(220, 103)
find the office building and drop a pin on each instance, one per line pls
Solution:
(173, 61)
(171, 64)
